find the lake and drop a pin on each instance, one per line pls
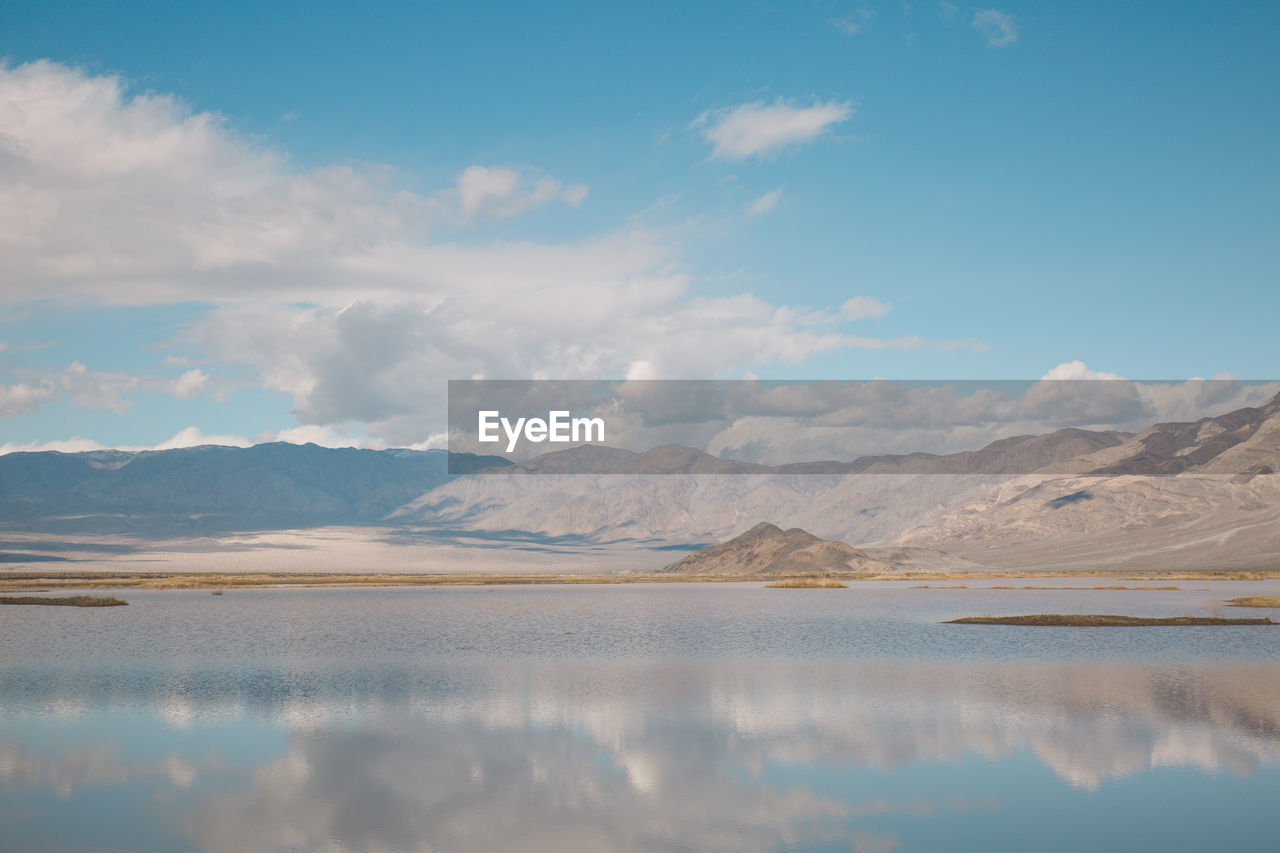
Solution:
(722, 717)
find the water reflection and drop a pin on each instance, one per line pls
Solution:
(634, 756)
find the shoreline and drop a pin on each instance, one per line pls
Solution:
(33, 581)
(1104, 620)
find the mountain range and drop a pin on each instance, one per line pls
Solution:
(1176, 495)
(267, 486)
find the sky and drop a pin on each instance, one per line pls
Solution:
(243, 222)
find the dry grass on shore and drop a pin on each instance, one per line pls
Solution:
(64, 601)
(29, 581)
(1255, 601)
(807, 583)
(237, 580)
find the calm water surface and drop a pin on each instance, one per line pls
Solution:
(637, 718)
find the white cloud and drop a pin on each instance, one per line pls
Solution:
(189, 437)
(194, 437)
(383, 364)
(323, 436)
(853, 23)
(190, 383)
(863, 308)
(998, 27)
(759, 130)
(1077, 370)
(24, 399)
(71, 445)
(810, 421)
(88, 388)
(92, 389)
(765, 203)
(97, 390)
(500, 193)
(171, 205)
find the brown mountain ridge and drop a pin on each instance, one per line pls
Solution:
(767, 549)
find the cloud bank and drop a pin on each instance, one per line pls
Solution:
(339, 287)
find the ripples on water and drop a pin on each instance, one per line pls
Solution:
(635, 718)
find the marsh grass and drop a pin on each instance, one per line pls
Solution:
(1255, 601)
(222, 581)
(64, 601)
(807, 583)
(1096, 620)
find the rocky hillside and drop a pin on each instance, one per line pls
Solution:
(1245, 442)
(1188, 496)
(767, 549)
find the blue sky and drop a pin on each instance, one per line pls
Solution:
(319, 213)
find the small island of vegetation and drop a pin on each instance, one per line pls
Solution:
(807, 583)
(64, 601)
(1255, 601)
(1095, 620)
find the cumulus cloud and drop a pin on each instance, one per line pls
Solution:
(24, 399)
(158, 197)
(96, 389)
(91, 389)
(500, 193)
(863, 308)
(384, 364)
(334, 284)
(853, 23)
(323, 436)
(189, 437)
(761, 130)
(166, 204)
(765, 203)
(194, 437)
(1077, 370)
(998, 27)
(70, 445)
(190, 383)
